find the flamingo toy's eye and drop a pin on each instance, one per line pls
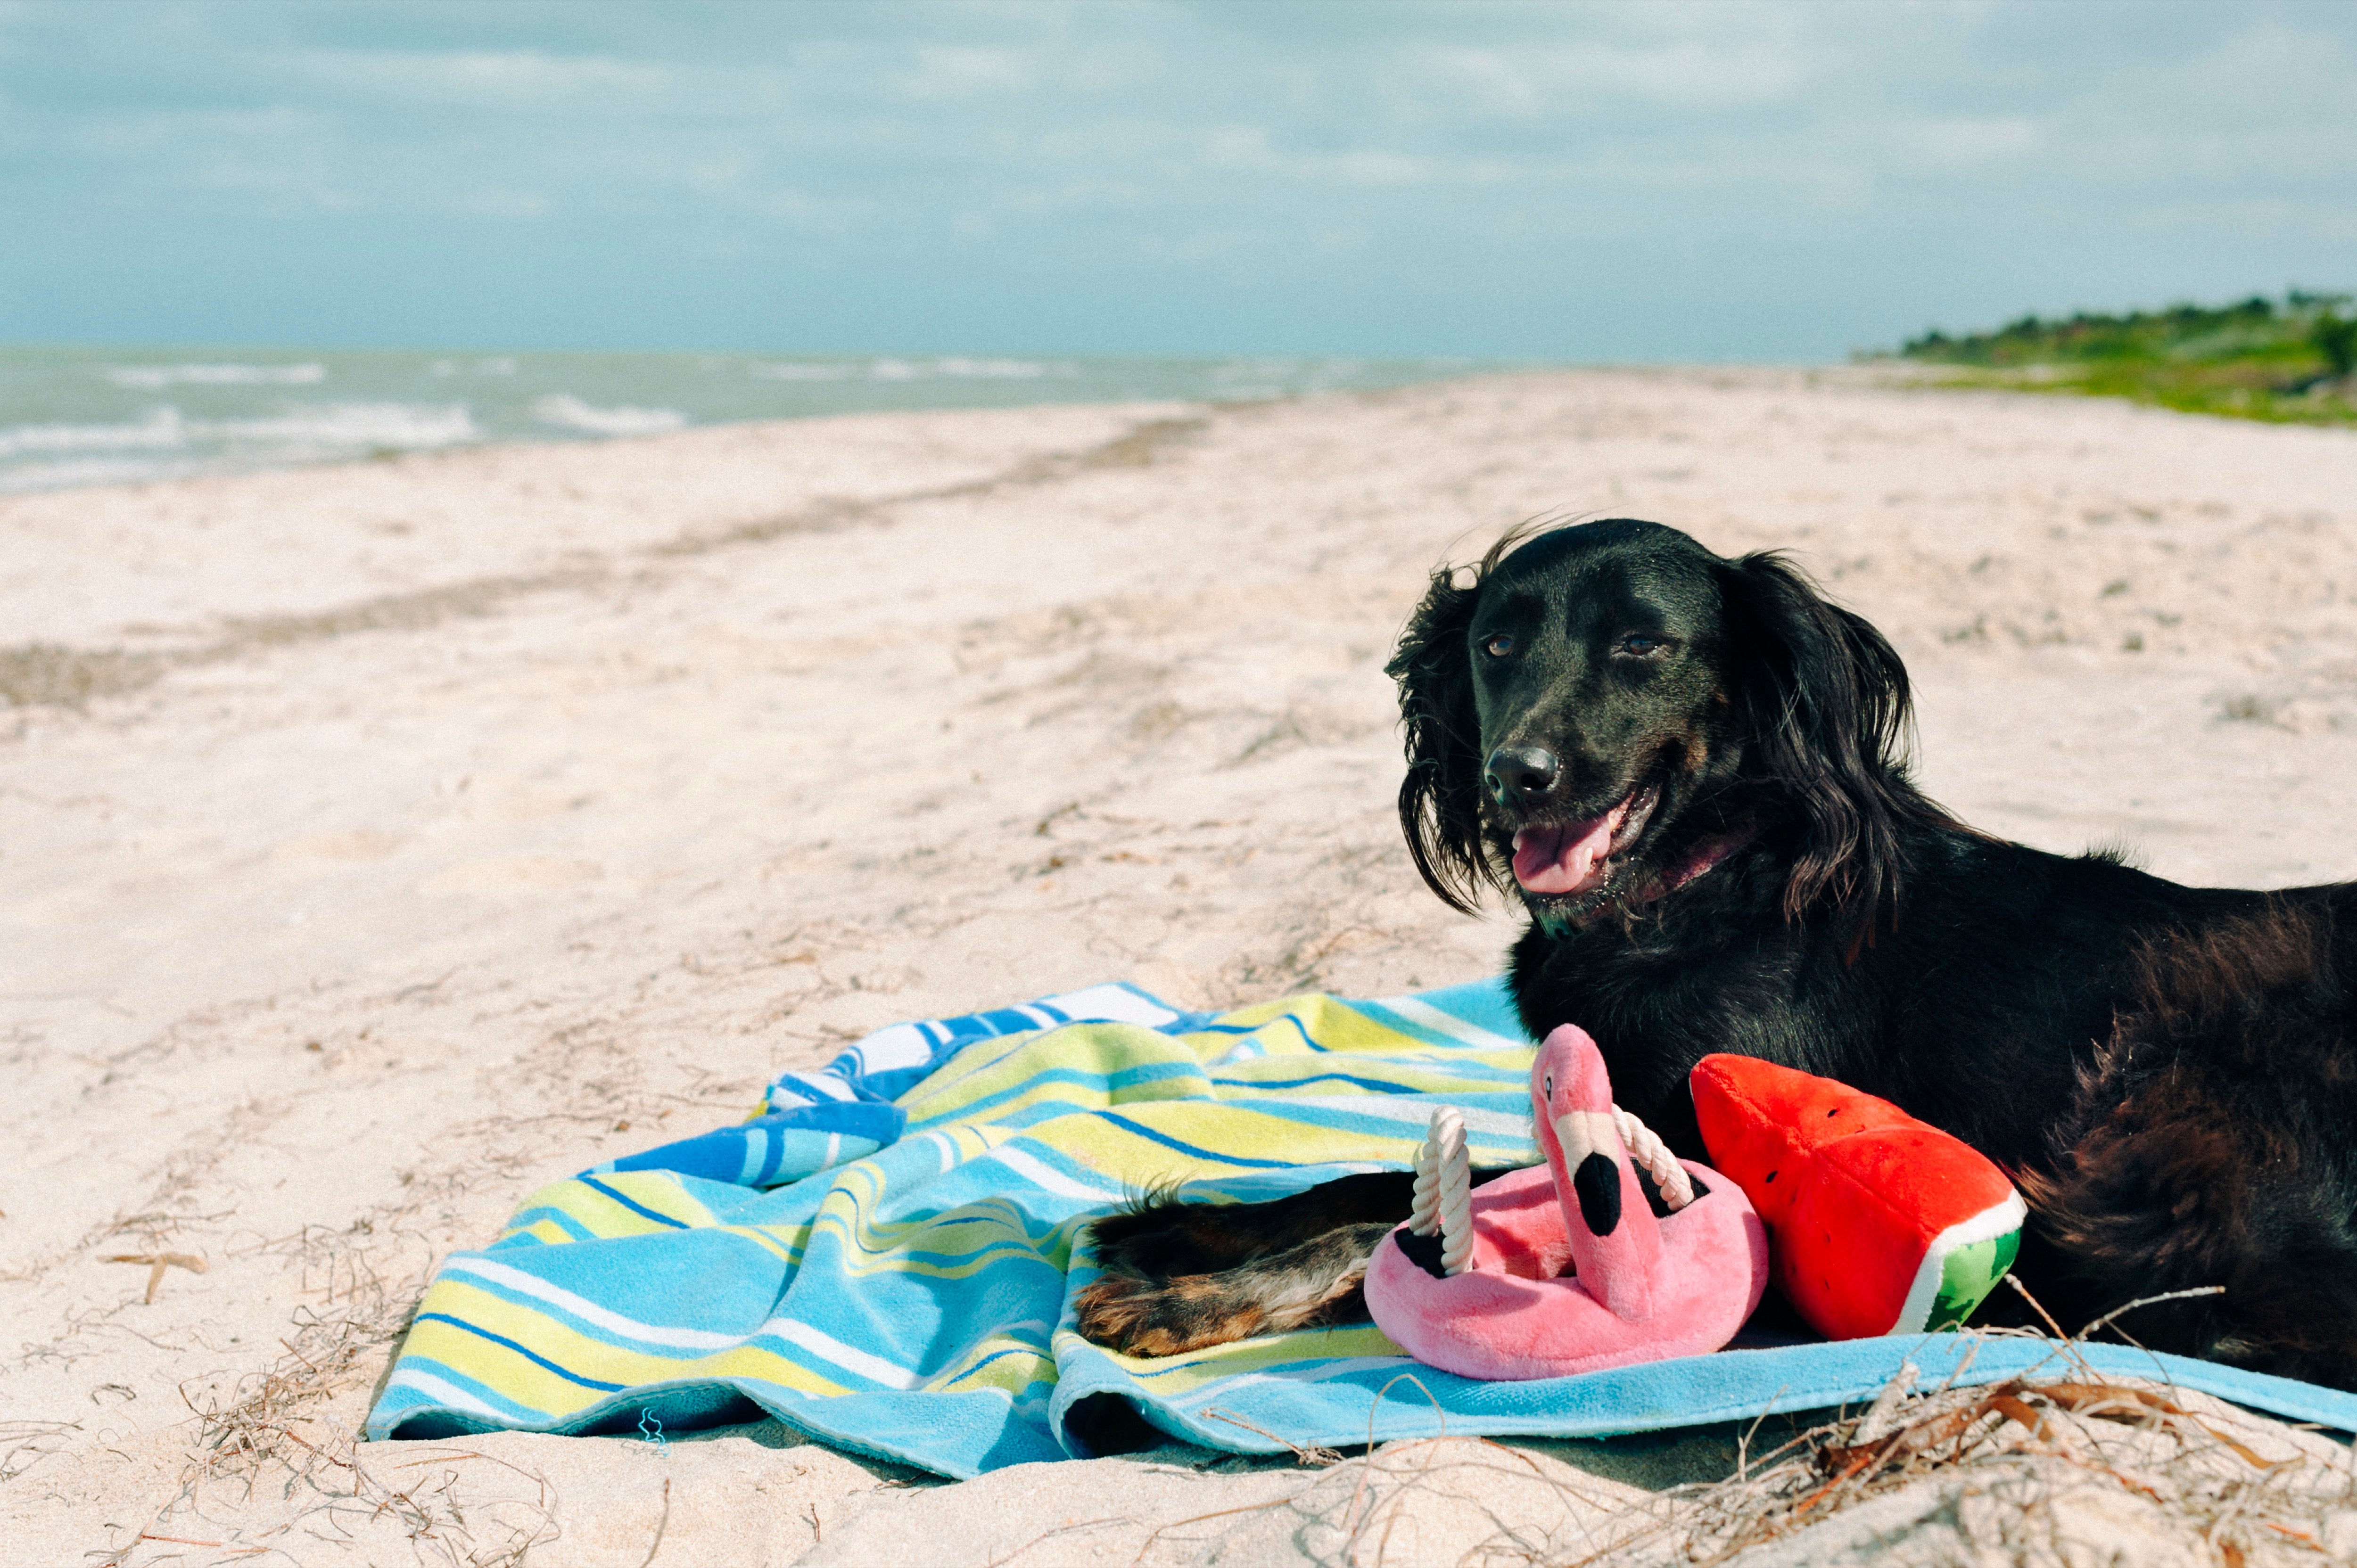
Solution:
(1550, 1086)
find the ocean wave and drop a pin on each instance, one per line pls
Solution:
(959, 370)
(17, 478)
(499, 366)
(891, 370)
(361, 425)
(569, 413)
(166, 443)
(808, 371)
(156, 378)
(162, 428)
(999, 369)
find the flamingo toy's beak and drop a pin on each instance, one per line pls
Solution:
(1591, 1150)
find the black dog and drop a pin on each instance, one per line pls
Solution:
(1689, 769)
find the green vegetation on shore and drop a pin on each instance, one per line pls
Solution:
(2293, 361)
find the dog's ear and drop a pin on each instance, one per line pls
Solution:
(1827, 711)
(1440, 798)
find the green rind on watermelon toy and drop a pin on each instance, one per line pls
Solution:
(1963, 1265)
(1878, 1223)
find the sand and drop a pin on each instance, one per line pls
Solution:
(381, 841)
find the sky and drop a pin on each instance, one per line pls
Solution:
(1585, 182)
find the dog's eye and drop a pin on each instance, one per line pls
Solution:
(1499, 646)
(1638, 646)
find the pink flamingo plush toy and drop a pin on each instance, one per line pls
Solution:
(1564, 1268)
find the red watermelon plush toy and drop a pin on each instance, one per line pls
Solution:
(1878, 1223)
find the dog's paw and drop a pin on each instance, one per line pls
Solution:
(1146, 1317)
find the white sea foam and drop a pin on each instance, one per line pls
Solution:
(156, 378)
(962, 369)
(569, 413)
(998, 370)
(364, 427)
(808, 371)
(166, 443)
(21, 478)
(162, 427)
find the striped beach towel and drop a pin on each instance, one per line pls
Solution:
(884, 1256)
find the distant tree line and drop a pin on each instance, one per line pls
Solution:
(2309, 328)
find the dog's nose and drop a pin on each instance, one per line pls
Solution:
(1518, 775)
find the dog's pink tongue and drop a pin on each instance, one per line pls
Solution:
(1565, 859)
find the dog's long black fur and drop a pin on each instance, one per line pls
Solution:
(2167, 1073)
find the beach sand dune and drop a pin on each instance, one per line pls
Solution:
(379, 842)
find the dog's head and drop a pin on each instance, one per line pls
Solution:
(1601, 703)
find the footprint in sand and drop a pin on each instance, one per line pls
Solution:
(363, 844)
(510, 876)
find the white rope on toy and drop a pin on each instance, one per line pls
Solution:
(1444, 1179)
(1645, 1147)
(1443, 1189)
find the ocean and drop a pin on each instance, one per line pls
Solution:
(87, 416)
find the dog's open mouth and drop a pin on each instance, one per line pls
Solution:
(1564, 860)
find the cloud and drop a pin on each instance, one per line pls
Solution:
(1229, 149)
(1744, 67)
(1962, 142)
(955, 73)
(150, 135)
(1349, 162)
(499, 202)
(514, 78)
